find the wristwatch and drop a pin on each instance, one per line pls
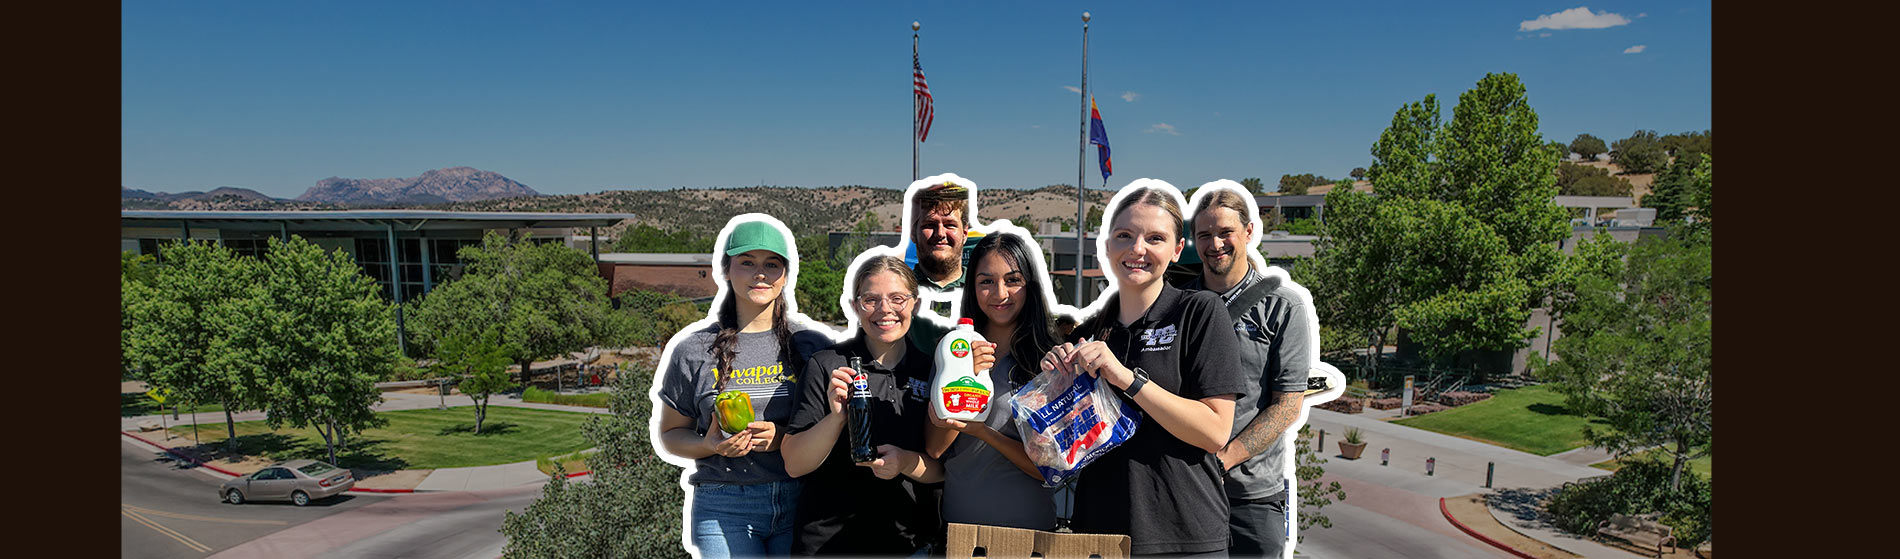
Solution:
(1141, 379)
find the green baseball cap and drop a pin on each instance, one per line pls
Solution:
(756, 235)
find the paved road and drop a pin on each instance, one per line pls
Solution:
(451, 528)
(171, 510)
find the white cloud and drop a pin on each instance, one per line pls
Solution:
(1642, 15)
(1130, 96)
(1542, 35)
(1035, 126)
(1638, 49)
(1164, 128)
(1072, 89)
(1574, 18)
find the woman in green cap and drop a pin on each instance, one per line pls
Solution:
(741, 502)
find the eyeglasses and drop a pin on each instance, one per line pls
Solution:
(870, 302)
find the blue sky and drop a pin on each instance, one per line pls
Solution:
(571, 97)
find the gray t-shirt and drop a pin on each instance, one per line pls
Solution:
(981, 486)
(1277, 340)
(688, 387)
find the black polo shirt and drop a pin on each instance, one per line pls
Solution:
(1161, 491)
(844, 509)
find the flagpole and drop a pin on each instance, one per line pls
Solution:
(914, 26)
(1081, 158)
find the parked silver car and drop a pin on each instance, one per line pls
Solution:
(297, 481)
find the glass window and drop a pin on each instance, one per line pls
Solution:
(411, 249)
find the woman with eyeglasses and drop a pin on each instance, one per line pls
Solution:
(1171, 354)
(742, 498)
(989, 478)
(877, 507)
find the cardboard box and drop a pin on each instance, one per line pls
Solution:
(969, 541)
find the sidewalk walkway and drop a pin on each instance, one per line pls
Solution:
(1460, 469)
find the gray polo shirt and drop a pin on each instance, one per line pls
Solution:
(981, 486)
(1277, 341)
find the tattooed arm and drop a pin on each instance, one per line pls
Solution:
(1266, 427)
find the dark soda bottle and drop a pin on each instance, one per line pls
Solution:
(858, 415)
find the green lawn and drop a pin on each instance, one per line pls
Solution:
(421, 439)
(1704, 465)
(132, 404)
(1532, 419)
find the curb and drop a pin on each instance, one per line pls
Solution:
(188, 458)
(1474, 533)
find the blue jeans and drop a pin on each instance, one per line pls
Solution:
(744, 520)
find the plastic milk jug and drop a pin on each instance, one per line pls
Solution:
(960, 391)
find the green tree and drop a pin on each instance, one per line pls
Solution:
(320, 331)
(649, 239)
(138, 268)
(1254, 185)
(1702, 200)
(1308, 467)
(1358, 173)
(176, 329)
(820, 284)
(1095, 217)
(1296, 185)
(137, 272)
(1588, 147)
(480, 365)
(546, 298)
(1672, 193)
(631, 486)
(1637, 350)
(1584, 180)
(1687, 143)
(1642, 152)
(655, 316)
(1460, 243)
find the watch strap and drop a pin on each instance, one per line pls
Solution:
(1141, 380)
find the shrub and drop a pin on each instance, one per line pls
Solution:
(1640, 487)
(593, 400)
(1425, 408)
(1458, 398)
(1384, 403)
(1345, 405)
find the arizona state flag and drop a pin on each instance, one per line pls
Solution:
(1098, 135)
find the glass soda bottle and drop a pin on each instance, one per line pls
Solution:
(858, 415)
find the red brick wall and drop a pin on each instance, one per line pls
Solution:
(685, 281)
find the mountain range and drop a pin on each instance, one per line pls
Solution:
(439, 186)
(435, 187)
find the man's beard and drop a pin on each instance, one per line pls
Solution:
(938, 268)
(1219, 269)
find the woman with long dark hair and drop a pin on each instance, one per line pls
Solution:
(1170, 354)
(989, 478)
(742, 499)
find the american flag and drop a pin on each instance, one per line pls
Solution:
(923, 108)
